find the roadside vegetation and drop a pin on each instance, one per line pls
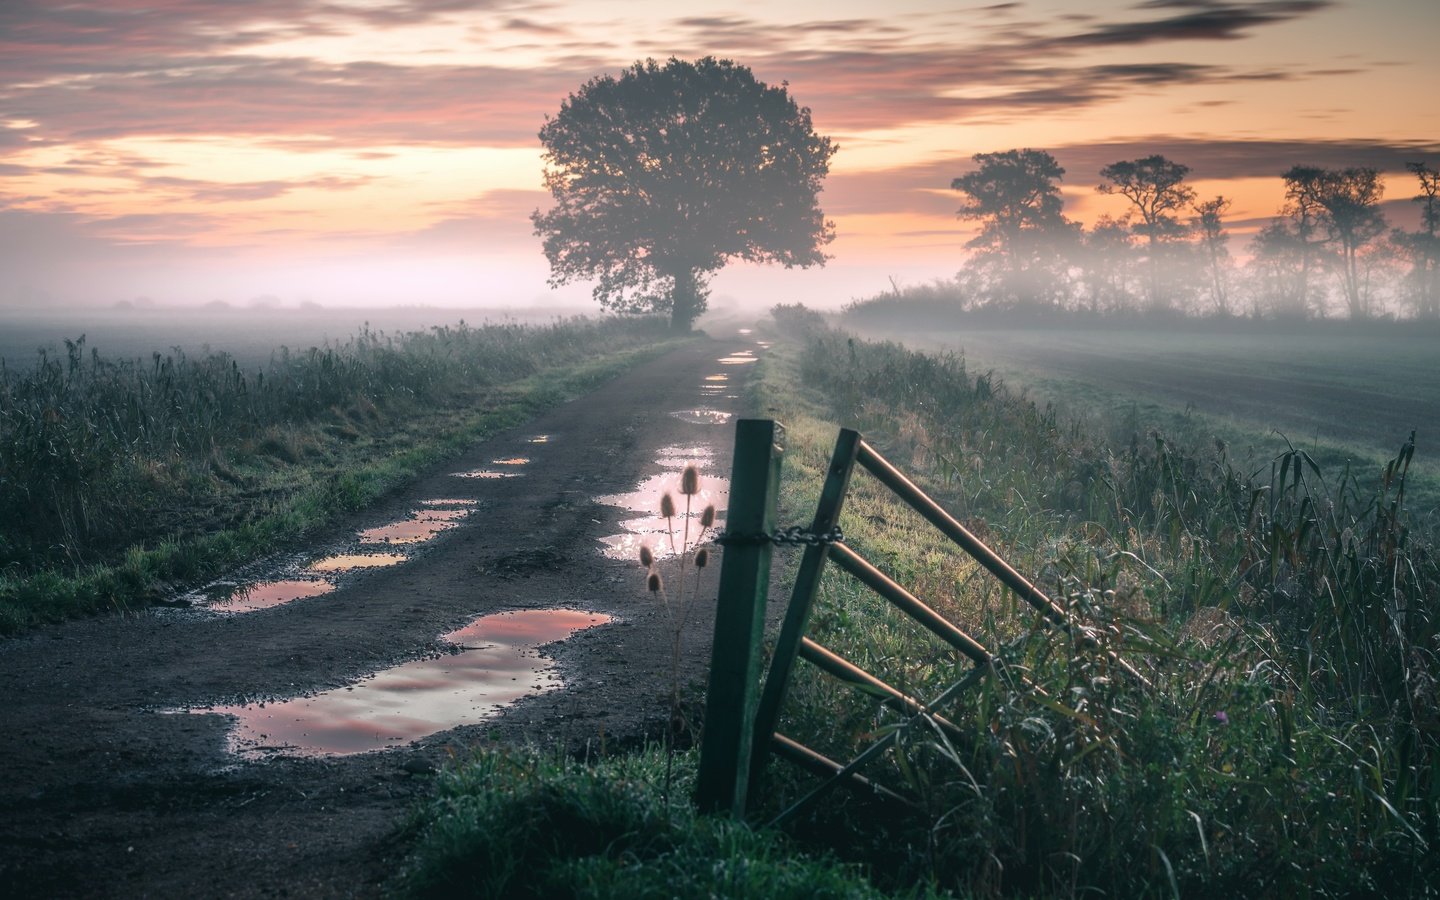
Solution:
(122, 479)
(1288, 743)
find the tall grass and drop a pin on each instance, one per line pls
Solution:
(1291, 743)
(102, 459)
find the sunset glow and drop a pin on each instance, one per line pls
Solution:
(385, 151)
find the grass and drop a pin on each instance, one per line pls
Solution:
(1288, 745)
(121, 480)
(523, 823)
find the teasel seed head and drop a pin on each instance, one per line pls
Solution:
(702, 557)
(667, 506)
(690, 480)
(647, 557)
(707, 518)
(653, 582)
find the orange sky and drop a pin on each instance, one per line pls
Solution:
(384, 151)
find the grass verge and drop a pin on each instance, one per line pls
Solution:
(125, 529)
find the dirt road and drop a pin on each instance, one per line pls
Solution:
(112, 789)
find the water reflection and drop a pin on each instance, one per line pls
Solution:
(703, 416)
(498, 664)
(422, 525)
(346, 562)
(267, 594)
(487, 473)
(663, 536)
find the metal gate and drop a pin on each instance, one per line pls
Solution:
(741, 717)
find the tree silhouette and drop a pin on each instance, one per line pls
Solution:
(1209, 222)
(1156, 187)
(663, 175)
(1346, 202)
(1016, 197)
(1423, 246)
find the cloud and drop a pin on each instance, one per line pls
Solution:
(1205, 21)
(178, 67)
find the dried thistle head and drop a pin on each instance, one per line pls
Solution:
(702, 557)
(667, 505)
(690, 480)
(653, 582)
(707, 518)
(647, 557)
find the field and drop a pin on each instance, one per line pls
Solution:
(249, 336)
(1342, 397)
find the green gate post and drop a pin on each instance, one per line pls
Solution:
(722, 781)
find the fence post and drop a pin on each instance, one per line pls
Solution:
(721, 784)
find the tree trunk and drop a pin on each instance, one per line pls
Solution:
(684, 300)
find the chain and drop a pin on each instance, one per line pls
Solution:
(794, 536)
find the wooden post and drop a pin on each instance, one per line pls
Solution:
(725, 746)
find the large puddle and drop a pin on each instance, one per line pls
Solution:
(498, 664)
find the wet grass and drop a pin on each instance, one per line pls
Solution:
(531, 824)
(123, 480)
(1289, 745)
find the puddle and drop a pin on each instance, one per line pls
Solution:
(763, 345)
(680, 457)
(346, 562)
(652, 529)
(266, 594)
(451, 502)
(512, 461)
(498, 665)
(486, 473)
(538, 439)
(703, 416)
(720, 377)
(738, 358)
(422, 527)
(746, 331)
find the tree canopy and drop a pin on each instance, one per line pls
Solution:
(664, 174)
(1016, 197)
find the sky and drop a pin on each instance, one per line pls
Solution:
(379, 152)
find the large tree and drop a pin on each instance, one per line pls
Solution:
(663, 175)
(1350, 201)
(1156, 187)
(1020, 250)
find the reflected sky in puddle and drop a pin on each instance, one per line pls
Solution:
(654, 531)
(449, 502)
(346, 562)
(720, 377)
(487, 473)
(538, 439)
(421, 527)
(702, 416)
(498, 665)
(512, 461)
(266, 594)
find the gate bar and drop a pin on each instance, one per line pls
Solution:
(824, 765)
(892, 478)
(908, 603)
(829, 661)
(878, 747)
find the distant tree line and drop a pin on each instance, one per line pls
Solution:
(1328, 251)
